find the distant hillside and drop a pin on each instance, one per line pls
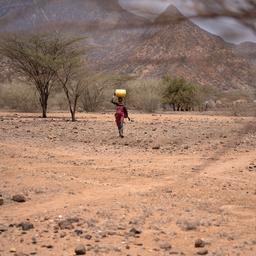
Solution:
(123, 42)
(247, 50)
(183, 49)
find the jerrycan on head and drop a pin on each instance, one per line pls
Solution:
(120, 93)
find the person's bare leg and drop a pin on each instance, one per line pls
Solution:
(121, 130)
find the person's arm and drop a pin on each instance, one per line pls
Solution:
(126, 113)
(113, 100)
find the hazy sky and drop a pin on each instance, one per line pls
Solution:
(229, 29)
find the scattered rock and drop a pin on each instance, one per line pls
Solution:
(1, 201)
(165, 246)
(3, 228)
(202, 252)
(88, 237)
(188, 225)
(62, 234)
(80, 250)
(26, 225)
(12, 250)
(19, 198)
(252, 167)
(134, 232)
(68, 223)
(199, 243)
(78, 232)
(34, 241)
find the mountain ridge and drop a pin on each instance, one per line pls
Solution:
(130, 44)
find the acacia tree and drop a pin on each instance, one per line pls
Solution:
(33, 58)
(180, 94)
(69, 72)
(73, 90)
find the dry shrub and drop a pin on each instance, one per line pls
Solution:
(247, 109)
(58, 101)
(238, 102)
(92, 97)
(18, 96)
(144, 95)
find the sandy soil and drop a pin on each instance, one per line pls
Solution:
(172, 180)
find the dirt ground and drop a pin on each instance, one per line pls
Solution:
(172, 180)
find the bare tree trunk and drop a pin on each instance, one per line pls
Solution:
(73, 116)
(73, 111)
(44, 110)
(44, 103)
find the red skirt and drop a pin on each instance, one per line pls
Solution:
(119, 120)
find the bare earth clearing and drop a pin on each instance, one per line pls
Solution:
(84, 185)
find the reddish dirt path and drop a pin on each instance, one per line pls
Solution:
(196, 185)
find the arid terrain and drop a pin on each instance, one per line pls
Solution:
(172, 180)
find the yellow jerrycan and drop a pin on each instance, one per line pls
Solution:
(120, 93)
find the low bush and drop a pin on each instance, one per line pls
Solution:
(144, 95)
(18, 96)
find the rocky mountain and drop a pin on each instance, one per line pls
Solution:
(247, 50)
(126, 43)
(178, 47)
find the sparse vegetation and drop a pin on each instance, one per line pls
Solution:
(18, 96)
(46, 61)
(95, 88)
(181, 94)
(145, 95)
(33, 58)
(56, 63)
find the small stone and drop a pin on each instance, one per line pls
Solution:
(26, 225)
(165, 246)
(1, 201)
(202, 252)
(12, 250)
(68, 223)
(88, 237)
(156, 147)
(134, 231)
(189, 225)
(62, 234)
(19, 198)
(80, 250)
(3, 228)
(34, 241)
(199, 243)
(78, 232)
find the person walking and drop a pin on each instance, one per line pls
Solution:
(121, 114)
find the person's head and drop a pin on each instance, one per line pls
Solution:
(120, 99)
